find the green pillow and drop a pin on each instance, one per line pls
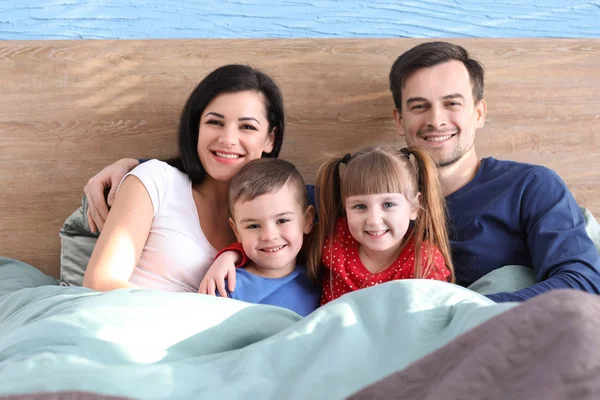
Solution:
(77, 244)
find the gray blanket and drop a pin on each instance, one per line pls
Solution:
(546, 348)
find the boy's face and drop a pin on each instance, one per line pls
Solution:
(271, 229)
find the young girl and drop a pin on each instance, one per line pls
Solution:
(381, 218)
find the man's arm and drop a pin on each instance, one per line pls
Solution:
(562, 253)
(96, 187)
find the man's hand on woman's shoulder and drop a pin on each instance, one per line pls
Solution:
(96, 187)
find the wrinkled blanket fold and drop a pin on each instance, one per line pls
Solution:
(156, 345)
(547, 348)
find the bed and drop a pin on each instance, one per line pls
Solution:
(71, 107)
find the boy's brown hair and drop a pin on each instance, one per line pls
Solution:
(266, 175)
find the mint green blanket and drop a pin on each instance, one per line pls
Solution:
(154, 345)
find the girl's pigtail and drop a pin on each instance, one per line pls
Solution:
(430, 226)
(329, 209)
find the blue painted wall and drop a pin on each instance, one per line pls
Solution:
(135, 19)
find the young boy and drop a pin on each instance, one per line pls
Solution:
(270, 215)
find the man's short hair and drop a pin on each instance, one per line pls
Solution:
(430, 54)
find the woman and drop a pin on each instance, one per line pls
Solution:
(166, 223)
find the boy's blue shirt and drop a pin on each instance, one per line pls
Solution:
(294, 291)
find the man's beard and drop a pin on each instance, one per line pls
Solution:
(456, 155)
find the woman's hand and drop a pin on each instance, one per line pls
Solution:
(222, 268)
(95, 188)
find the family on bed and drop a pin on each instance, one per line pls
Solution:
(229, 218)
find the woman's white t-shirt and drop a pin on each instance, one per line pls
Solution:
(176, 255)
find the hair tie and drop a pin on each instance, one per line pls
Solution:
(406, 152)
(337, 192)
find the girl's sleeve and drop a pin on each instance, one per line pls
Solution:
(237, 246)
(439, 271)
(341, 235)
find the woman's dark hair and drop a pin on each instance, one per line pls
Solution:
(226, 79)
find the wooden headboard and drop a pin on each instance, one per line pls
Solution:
(68, 108)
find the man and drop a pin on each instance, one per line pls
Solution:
(500, 212)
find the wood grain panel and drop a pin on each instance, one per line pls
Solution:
(68, 108)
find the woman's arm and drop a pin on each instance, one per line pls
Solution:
(122, 240)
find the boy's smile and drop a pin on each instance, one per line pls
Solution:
(271, 228)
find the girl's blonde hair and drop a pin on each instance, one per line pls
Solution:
(383, 169)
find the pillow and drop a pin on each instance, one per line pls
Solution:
(512, 278)
(77, 244)
(592, 226)
(16, 275)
